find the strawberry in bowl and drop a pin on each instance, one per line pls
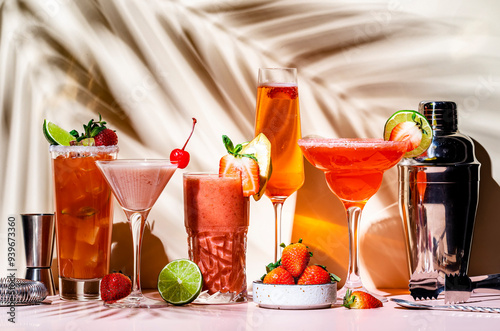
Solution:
(292, 283)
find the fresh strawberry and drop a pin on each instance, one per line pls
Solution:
(115, 286)
(180, 155)
(106, 137)
(295, 258)
(315, 274)
(96, 131)
(243, 164)
(408, 131)
(280, 276)
(360, 300)
(286, 92)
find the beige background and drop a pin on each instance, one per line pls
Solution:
(149, 66)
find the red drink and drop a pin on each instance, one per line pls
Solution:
(216, 220)
(353, 167)
(353, 170)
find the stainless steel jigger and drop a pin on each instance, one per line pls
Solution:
(38, 232)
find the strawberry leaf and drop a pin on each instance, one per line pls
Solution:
(228, 144)
(334, 278)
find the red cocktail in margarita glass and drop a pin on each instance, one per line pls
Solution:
(353, 170)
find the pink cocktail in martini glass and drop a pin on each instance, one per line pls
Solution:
(137, 184)
(353, 170)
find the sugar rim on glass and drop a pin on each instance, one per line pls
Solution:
(62, 150)
(349, 142)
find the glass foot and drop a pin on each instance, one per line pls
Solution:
(220, 298)
(343, 290)
(142, 302)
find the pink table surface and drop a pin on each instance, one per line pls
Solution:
(69, 316)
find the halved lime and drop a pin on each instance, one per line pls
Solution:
(180, 282)
(56, 135)
(409, 125)
(260, 147)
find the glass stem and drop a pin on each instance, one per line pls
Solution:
(353, 279)
(137, 221)
(278, 207)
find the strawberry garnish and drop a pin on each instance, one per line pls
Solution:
(316, 274)
(115, 286)
(286, 92)
(98, 132)
(409, 131)
(279, 275)
(106, 137)
(295, 258)
(360, 300)
(244, 165)
(180, 155)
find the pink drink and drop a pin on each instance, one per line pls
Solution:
(216, 220)
(137, 186)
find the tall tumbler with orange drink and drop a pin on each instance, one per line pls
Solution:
(84, 219)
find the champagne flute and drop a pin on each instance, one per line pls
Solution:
(137, 184)
(277, 116)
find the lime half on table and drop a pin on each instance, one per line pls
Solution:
(180, 282)
(56, 135)
(412, 127)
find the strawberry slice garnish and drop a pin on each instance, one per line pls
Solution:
(244, 165)
(286, 92)
(409, 132)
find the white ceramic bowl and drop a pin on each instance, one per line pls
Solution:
(294, 296)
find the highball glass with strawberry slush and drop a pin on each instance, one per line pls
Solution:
(216, 219)
(84, 219)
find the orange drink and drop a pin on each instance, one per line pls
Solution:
(216, 219)
(278, 118)
(84, 219)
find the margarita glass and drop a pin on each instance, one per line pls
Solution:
(137, 184)
(353, 170)
(278, 117)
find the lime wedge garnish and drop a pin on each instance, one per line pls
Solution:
(180, 282)
(260, 147)
(55, 135)
(410, 126)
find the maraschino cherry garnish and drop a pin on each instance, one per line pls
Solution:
(180, 155)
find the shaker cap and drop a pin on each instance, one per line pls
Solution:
(442, 115)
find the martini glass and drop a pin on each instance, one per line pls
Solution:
(137, 184)
(353, 170)
(278, 117)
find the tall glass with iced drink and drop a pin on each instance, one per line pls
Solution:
(84, 218)
(216, 219)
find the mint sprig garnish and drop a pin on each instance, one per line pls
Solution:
(235, 150)
(90, 130)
